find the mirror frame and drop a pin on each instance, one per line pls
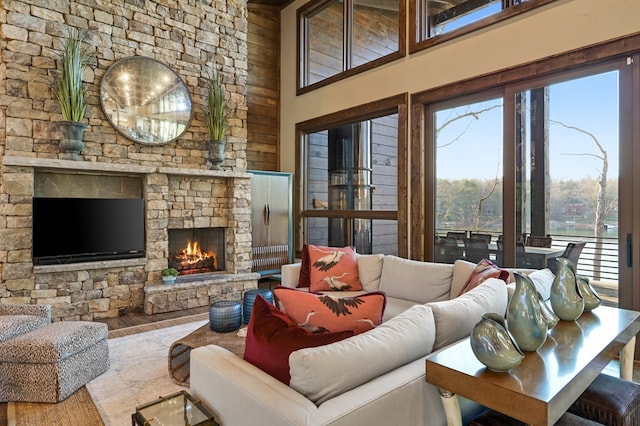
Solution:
(110, 89)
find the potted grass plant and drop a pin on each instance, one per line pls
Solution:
(215, 119)
(71, 92)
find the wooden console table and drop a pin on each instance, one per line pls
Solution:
(548, 381)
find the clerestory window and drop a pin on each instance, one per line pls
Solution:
(340, 38)
(440, 20)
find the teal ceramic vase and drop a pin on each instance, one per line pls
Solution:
(525, 320)
(566, 300)
(589, 294)
(493, 345)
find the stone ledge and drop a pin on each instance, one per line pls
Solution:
(197, 291)
(190, 282)
(85, 266)
(48, 163)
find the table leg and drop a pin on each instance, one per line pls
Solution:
(626, 360)
(451, 407)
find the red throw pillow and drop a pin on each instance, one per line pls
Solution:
(483, 270)
(272, 336)
(333, 269)
(322, 313)
(304, 280)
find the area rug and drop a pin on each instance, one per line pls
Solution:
(76, 410)
(138, 373)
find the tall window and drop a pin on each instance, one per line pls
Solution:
(351, 186)
(342, 37)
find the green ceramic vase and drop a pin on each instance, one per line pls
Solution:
(525, 320)
(493, 345)
(589, 294)
(566, 300)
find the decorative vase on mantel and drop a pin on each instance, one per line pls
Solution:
(71, 138)
(216, 152)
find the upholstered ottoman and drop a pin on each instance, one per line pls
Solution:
(611, 401)
(52, 362)
(493, 418)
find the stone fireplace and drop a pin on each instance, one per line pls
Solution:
(196, 250)
(207, 207)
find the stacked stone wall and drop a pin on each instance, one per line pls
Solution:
(191, 37)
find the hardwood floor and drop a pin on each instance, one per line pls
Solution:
(138, 322)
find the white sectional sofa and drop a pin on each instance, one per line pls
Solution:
(373, 378)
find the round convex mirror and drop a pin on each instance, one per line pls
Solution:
(145, 100)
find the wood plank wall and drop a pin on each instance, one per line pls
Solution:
(263, 87)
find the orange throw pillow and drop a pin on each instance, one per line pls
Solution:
(333, 269)
(320, 313)
(483, 270)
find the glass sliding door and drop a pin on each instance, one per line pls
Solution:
(567, 150)
(467, 139)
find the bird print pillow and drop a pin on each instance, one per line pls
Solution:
(333, 269)
(322, 313)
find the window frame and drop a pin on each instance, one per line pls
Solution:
(418, 41)
(423, 199)
(397, 104)
(301, 40)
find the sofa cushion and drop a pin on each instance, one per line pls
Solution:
(333, 269)
(484, 269)
(326, 312)
(542, 280)
(456, 318)
(462, 270)
(272, 336)
(414, 280)
(370, 270)
(324, 372)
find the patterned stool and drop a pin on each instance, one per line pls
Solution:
(610, 401)
(52, 362)
(250, 297)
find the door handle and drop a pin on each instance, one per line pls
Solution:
(629, 250)
(267, 210)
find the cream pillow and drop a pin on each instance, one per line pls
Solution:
(414, 280)
(462, 270)
(543, 279)
(456, 318)
(324, 372)
(370, 270)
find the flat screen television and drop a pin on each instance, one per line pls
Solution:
(70, 230)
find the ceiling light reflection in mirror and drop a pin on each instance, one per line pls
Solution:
(145, 100)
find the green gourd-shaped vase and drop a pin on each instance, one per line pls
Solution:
(493, 345)
(566, 300)
(525, 320)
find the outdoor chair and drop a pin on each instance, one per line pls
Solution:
(447, 250)
(486, 237)
(572, 252)
(538, 241)
(476, 249)
(460, 236)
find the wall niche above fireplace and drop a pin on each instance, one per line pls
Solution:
(197, 250)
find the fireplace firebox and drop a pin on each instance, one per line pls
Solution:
(197, 250)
